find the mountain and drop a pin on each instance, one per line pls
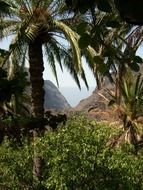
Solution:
(98, 99)
(74, 95)
(53, 97)
(96, 105)
(95, 100)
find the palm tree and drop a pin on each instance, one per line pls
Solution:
(37, 27)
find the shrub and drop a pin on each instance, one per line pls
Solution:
(15, 166)
(76, 157)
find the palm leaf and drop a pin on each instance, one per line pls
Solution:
(51, 61)
(83, 76)
(70, 67)
(57, 50)
(72, 37)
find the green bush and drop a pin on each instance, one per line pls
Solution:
(15, 166)
(76, 157)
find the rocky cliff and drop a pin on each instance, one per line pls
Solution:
(96, 100)
(53, 98)
(96, 106)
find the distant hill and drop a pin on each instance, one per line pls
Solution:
(53, 97)
(97, 99)
(74, 95)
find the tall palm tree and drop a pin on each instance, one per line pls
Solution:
(43, 27)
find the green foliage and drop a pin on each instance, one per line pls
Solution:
(138, 59)
(13, 95)
(113, 23)
(82, 28)
(134, 66)
(105, 6)
(16, 85)
(4, 8)
(15, 166)
(132, 95)
(84, 40)
(76, 156)
(135, 61)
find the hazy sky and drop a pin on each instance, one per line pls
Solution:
(65, 80)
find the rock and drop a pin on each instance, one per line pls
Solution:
(97, 106)
(53, 98)
(98, 99)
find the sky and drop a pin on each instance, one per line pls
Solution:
(68, 87)
(65, 80)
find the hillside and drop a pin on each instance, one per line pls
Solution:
(53, 98)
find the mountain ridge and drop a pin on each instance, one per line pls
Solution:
(54, 98)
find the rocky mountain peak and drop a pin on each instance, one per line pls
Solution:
(53, 98)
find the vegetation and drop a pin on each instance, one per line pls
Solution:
(37, 29)
(76, 156)
(35, 26)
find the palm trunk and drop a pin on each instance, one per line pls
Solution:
(37, 94)
(36, 78)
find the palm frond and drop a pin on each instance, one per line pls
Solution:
(72, 38)
(51, 61)
(31, 32)
(89, 54)
(57, 50)
(70, 67)
(137, 84)
(83, 76)
(125, 90)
